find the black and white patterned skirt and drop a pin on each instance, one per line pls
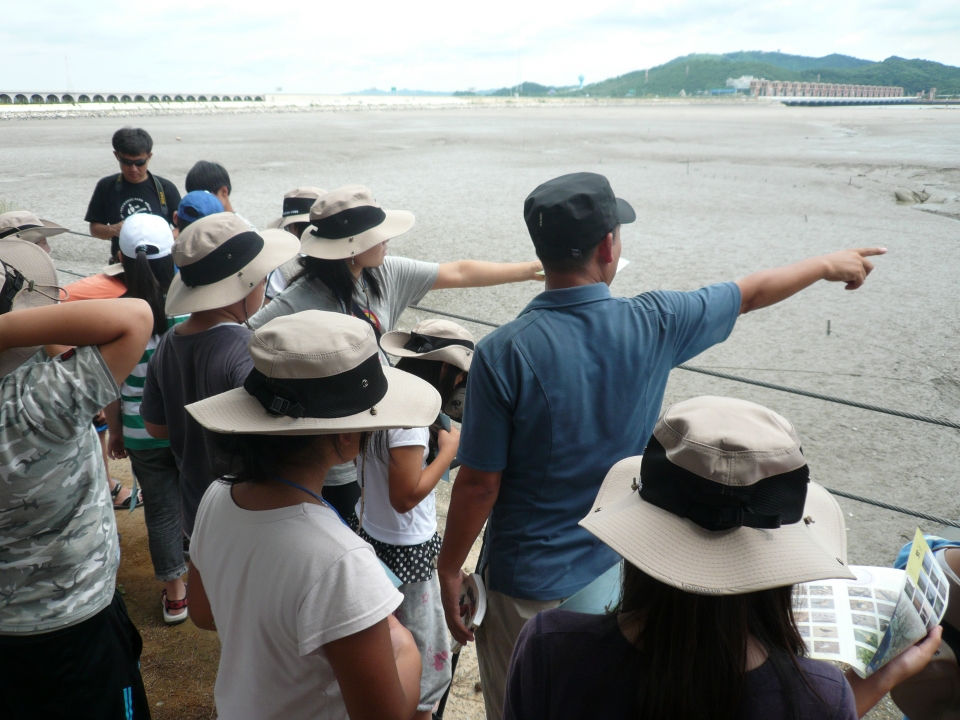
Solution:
(410, 563)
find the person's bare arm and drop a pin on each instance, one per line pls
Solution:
(378, 671)
(768, 287)
(115, 447)
(159, 432)
(119, 328)
(871, 690)
(476, 273)
(409, 481)
(198, 602)
(105, 232)
(474, 494)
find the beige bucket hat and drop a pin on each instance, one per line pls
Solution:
(296, 206)
(433, 339)
(721, 503)
(345, 222)
(318, 373)
(28, 226)
(221, 260)
(38, 287)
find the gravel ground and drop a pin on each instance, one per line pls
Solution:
(720, 191)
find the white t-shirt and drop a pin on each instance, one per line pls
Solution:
(281, 584)
(380, 520)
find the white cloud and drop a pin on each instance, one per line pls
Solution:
(245, 46)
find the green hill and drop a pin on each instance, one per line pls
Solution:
(529, 89)
(700, 73)
(796, 63)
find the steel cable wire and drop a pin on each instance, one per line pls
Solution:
(795, 391)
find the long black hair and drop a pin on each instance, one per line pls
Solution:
(336, 275)
(693, 648)
(149, 280)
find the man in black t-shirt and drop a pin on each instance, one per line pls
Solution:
(133, 190)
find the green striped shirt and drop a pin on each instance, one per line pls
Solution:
(135, 435)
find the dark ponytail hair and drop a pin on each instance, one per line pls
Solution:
(693, 648)
(149, 280)
(336, 275)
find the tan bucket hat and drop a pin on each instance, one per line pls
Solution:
(721, 503)
(38, 287)
(296, 206)
(345, 222)
(318, 373)
(221, 260)
(28, 226)
(433, 339)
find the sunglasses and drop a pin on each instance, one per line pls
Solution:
(127, 162)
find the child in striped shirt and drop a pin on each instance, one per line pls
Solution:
(146, 246)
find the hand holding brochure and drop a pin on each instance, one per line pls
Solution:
(869, 621)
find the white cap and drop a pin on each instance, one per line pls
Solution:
(146, 231)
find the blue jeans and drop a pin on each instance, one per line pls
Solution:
(156, 471)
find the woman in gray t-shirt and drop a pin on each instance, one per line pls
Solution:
(345, 269)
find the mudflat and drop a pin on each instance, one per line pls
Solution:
(720, 191)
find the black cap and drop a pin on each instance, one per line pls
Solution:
(572, 213)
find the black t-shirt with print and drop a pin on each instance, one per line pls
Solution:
(111, 204)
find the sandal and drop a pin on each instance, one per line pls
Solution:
(169, 605)
(125, 505)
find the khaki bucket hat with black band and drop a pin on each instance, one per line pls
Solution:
(28, 226)
(296, 206)
(348, 221)
(29, 280)
(221, 260)
(721, 503)
(317, 373)
(434, 339)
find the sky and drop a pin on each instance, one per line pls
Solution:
(246, 46)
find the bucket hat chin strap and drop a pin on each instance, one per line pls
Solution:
(13, 284)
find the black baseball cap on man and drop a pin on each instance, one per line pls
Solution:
(571, 214)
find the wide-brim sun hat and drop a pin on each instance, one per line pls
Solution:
(221, 260)
(349, 221)
(317, 373)
(721, 504)
(27, 226)
(433, 339)
(296, 206)
(40, 287)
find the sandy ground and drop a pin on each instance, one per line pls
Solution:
(720, 191)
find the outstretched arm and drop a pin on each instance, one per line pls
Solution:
(120, 328)
(474, 494)
(768, 287)
(476, 273)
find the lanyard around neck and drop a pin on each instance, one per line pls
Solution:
(312, 493)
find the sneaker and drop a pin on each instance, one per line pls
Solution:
(178, 606)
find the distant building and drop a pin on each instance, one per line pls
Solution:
(740, 83)
(775, 88)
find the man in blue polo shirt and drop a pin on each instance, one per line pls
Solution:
(559, 395)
